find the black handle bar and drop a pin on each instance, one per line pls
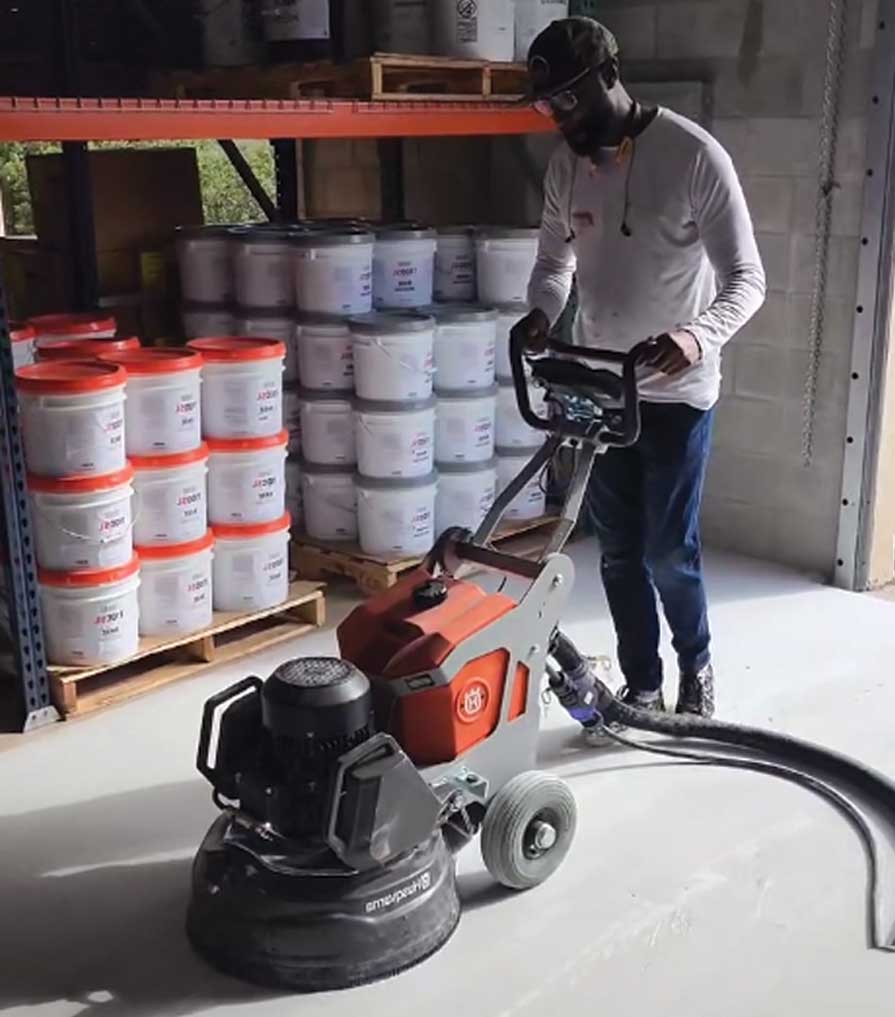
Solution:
(630, 429)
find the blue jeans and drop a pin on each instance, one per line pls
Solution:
(645, 503)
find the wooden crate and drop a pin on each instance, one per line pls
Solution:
(161, 661)
(384, 76)
(317, 559)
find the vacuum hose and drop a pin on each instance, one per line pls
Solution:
(592, 703)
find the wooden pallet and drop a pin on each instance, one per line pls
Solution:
(319, 559)
(384, 76)
(161, 661)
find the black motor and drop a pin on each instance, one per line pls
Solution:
(328, 867)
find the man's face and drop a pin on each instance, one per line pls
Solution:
(590, 125)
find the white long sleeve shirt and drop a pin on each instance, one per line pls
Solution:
(690, 263)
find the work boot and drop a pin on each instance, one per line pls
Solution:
(696, 694)
(597, 737)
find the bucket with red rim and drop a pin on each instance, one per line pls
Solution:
(247, 480)
(251, 565)
(72, 416)
(175, 588)
(75, 325)
(242, 386)
(171, 498)
(82, 349)
(162, 411)
(91, 617)
(83, 522)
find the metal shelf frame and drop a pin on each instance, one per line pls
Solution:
(76, 121)
(48, 119)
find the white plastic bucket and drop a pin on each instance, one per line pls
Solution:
(465, 495)
(251, 566)
(334, 272)
(465, 427)
(327, 428)
(263, 275)
(474, 29)
(277, 326)
(205, 258)
(531, 502)
(465, 345)
(200, 321)
(396, 518)
(292, 418)
(72, 415)
(83, 523)
(171, 498)
(175, 588)
(329, 502)
(507, 317)
(293, 491)
(242, 387)
(455, 264)
(401, 26)
(505, 259)
(394, 356)
(247, 480)
(512, 430)
(22, 338)
(395, 440)
(162, 410)
(403, 268)
(59, 328)
(91, 618)
(532, 17)
(325, 356)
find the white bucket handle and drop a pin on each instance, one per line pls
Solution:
(135, 518)
(403, 361)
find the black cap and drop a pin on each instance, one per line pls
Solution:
(564, 51)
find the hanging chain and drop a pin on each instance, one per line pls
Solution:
(827, 185)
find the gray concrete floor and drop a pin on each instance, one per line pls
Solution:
(688, 891)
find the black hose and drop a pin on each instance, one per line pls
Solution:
(852, 813)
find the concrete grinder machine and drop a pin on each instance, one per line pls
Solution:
(346, 786)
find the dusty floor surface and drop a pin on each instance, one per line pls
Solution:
(688, 892)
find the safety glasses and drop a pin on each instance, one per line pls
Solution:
(561, 103)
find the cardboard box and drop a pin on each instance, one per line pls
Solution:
(139, 197)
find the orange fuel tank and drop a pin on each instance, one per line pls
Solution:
(400, 634)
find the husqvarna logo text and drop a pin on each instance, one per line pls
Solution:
(403, 893)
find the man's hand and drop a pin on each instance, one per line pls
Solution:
(534, 329)
(672, 353)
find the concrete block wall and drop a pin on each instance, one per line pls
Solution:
(764, 60)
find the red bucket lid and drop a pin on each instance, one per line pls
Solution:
(81, 484)
(253, 529)
(89, 577)
(280, 440)
(229, 349)
(20, 332)
(83, 349)
(69, 377)
(170, 551)
(155, 360)
(160, 462)
(85, 324)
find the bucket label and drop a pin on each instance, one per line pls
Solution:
(186, 410)
(266, 486)
(274, 568)
(191, 502)
(113, 523)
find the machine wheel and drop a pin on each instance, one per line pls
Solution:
(528, 829)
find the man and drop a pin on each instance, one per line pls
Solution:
(646, 208)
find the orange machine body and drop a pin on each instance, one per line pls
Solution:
(391, 639)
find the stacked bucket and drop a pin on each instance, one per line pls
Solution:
(366, 351)
(170, 527)
(504, 261)
(80, 488)
(242, 424)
